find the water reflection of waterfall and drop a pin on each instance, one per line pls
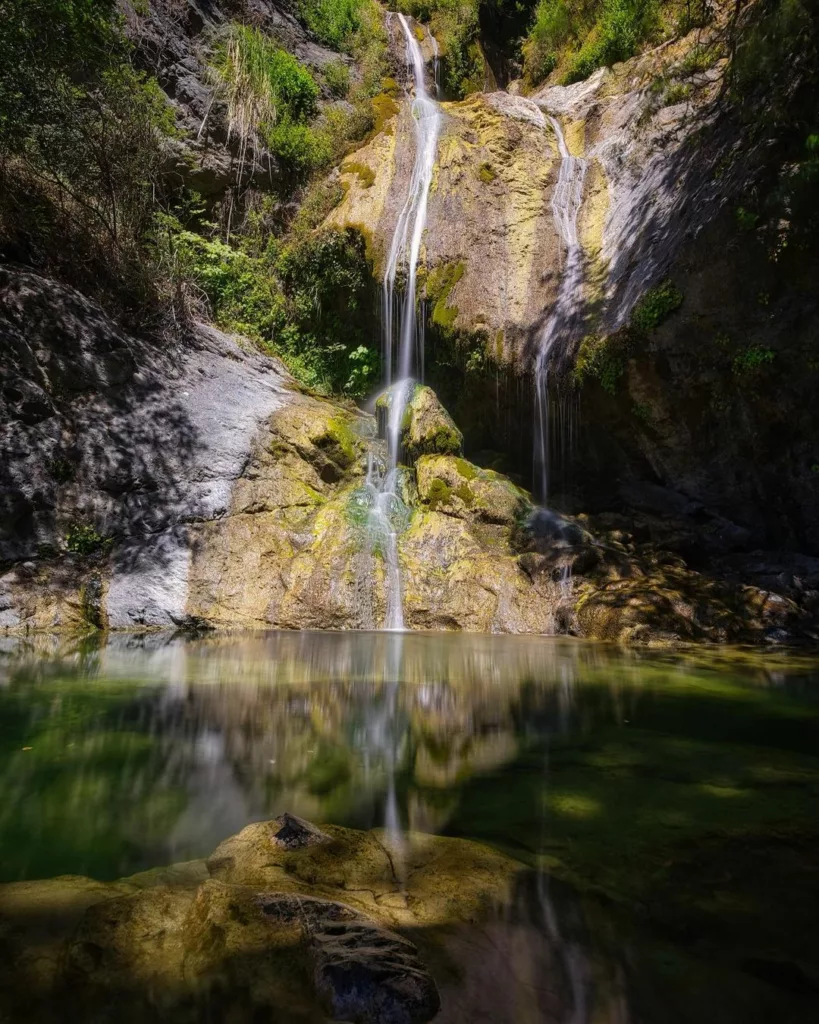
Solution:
(567, 309)
(403, 342)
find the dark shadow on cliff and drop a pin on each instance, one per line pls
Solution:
(92, 432)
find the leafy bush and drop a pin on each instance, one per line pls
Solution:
(307, 300)
(355, 27)
(80, 137)
(752, 359)
(676, 92)
(551, 31)
(581, 37)
(655, 306)
(83, 539)
(622, 25)
(270, 96)
(337, 76)
(334, 22)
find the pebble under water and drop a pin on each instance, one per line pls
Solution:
(665, 804)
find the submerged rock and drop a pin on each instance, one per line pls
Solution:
(262, 935)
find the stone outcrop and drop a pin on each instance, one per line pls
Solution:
(197, 486)
(426, 427)
(175, 42)
(308, 933)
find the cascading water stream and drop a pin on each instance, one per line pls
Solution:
(567, 309)
(403, 349)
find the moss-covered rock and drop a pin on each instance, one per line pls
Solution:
(426, 427)
(276, 929)
(457, 487)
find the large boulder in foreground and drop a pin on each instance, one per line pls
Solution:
(285, 921)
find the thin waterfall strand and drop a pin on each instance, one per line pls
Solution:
(404, 366)
(567, 309)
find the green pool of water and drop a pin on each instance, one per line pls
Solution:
(671, 800)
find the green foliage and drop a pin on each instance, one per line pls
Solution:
(270, 96)
(551, 31)
(676, 92)
(307, 300)
(334, 22)
(581, 37)
(337, 76)
(83, 539)
(655, 306)
(355, 27)
(695, 14)
(621, 27)
(699, 59)
(747, 220)
(601, 358)
(49, 49)
(80, 134)
(752, 359)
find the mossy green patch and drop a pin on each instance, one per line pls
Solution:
(338, 442)
(366, 175)
(656, 306)
(384, 109)
(439, 493)
(600, 357)
(486, 173)
(466, 469)
(439, 285)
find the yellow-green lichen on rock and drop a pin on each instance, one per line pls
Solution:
(426, 427)
(459, 488)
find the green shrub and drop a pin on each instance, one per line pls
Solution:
(695, 14)
(81, 137)
(265, 87)
(551, 31)
(752, 359)
(621, 27)
(337, 76)
(655, 306)
(581, 37)
(299, 147)
(334, 22)
(699, 59)
(676, 92)
(83, 539)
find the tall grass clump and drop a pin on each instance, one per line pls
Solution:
(270, 96)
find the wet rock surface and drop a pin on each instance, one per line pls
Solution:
(318, 933)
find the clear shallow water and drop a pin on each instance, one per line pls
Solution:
(669, 804)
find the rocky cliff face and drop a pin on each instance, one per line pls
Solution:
(682, 380)
(199, 486)
(151, 484)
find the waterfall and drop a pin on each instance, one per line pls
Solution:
(567, 309)
(403, 347)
